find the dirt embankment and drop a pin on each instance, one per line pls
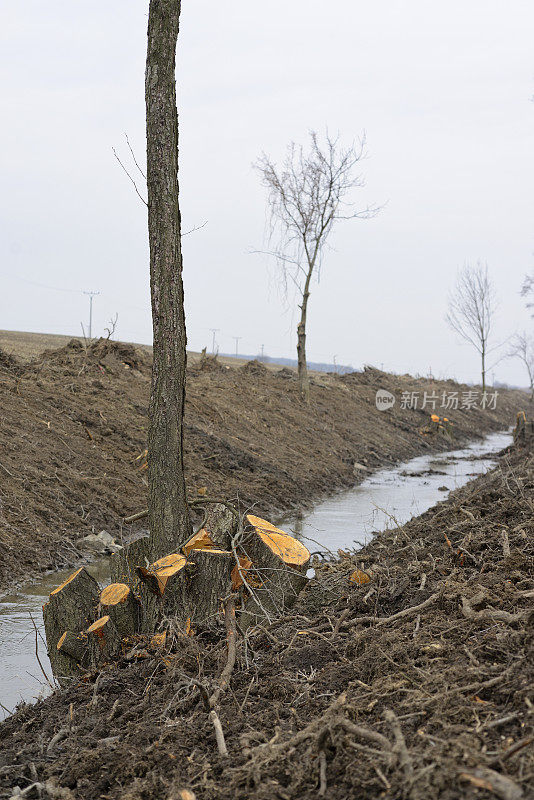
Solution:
(418, 683)
(73, 429)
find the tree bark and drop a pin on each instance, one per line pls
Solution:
(304, 379)
(71, 607)
(168, 512)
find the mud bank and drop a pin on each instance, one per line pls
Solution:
(416, 683)
(73, 431)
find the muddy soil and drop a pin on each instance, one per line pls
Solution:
(73, 430)
(417, 683)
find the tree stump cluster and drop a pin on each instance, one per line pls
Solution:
(263, 567)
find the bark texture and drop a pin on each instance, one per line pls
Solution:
(168, 512)
(71, 607)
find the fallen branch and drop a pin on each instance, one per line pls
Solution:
(400, 744)
(394, 617)
(491, 614)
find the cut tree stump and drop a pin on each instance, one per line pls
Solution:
(104, 641)
(119, 602)
(190, 589)
(278, 573)
(71, 607)
(524, 432)
(221, 525)
(74, 645)
(123, 565)
(163, 573)
(208, 582)
(124, 569)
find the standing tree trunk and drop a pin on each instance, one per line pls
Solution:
(168, 512)
(304, 380)
(483, 355)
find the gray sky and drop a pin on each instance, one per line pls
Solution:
(442, 91)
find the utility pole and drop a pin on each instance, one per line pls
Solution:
(237, 338)
(91, 295)
(262, 351)
(335, 365)
(214, 331)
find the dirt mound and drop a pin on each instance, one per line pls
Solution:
(100, 356)
(74, 424)
(254, 367)
(8, 362)
(406, 671)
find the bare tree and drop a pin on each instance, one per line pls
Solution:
(168, 512)
(522, 347)
(527, 290)
(307, 195)
(472, 307)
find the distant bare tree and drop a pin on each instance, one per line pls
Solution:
(522, 347)
(472, 307)
(307, 195)
(527, 290)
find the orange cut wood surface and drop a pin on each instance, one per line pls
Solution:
(172, 560)
(200, 541)
(98, 625)
(239, 570)
(68, 580)
(286, 547)
(114, 593)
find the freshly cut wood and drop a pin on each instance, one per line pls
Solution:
(104, 640)
(119, 602)
(75, 646)
(279, 571)
(240, 573)
(200, 541)
(162, 572)
(281, 544)
(71, 607)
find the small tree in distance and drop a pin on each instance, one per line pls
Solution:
(522, 348)
(472, 307)
(307, 195)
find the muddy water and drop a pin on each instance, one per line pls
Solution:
(391, 497)
(385, 498)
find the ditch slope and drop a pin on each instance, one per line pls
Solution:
(73, 427)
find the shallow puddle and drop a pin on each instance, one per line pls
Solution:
(347, 520)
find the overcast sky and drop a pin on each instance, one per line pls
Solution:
(442, 90)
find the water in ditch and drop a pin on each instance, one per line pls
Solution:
(347, 520)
